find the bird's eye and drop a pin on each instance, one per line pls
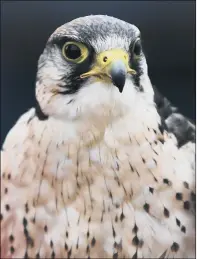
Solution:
(75, 52)
(137, 47)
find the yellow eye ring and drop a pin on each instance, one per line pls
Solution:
(75, 51)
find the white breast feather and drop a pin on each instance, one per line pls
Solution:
(86, 179)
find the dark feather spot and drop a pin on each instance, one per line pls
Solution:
(6, 190)
(154, 131)
(102, 217)
(30, 241)
(26, 208)
(53, 254)
(115, 255)
(143, 160)
(66, 247)
(88, 234)
(115, 245)
(31, 118)
(117, 205)
(9, 176)
(117, 180)
(7, 207)
(67, 234)
(146, 207)
(45, 228)
(11, 238)
(137, 172)
(166, 212)
(12, 250)
(88, 249)
(155, 152)
(93, 242)
(175, 247)
(122, 216)
(116, 218)
(26, 255)
(155, 179)
(117, 166)
(179, 196)
(161, 140)
(132, 169)
(193, 196)
(24, 222)
(51, 244)
(141, 89)
(135, 255)
(183, 229)
(178, 222)
(37, 256)
(26, 233)
(186, 185)
(186, 205)
(118, 246)
(166, 181)
(151, 190)
(69, 253)
(163, 255)
(155, 161)
(71, 100)
(135, 241)
(135, 229)
(141, 242)
(113, 231)
(110, 195)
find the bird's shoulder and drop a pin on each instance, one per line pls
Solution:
(175, 122)
(20, 130)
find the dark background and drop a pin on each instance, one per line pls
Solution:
(168, 32)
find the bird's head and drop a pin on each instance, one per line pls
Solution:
(92, 65)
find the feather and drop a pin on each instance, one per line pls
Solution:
(106, 175)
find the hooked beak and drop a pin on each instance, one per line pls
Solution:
(111, 65)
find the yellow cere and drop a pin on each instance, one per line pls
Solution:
(104, 61)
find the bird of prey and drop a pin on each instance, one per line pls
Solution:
(103, 166)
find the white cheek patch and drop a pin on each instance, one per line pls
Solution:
(101, 99)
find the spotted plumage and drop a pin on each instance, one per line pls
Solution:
(103, 166)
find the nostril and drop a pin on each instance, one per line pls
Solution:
(105, 59)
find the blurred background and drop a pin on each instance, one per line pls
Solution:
(168, 34)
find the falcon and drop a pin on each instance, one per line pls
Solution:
(103, 166)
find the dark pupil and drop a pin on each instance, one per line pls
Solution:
(137, 48)
(72, 51)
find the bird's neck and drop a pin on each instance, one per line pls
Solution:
(91, 130)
